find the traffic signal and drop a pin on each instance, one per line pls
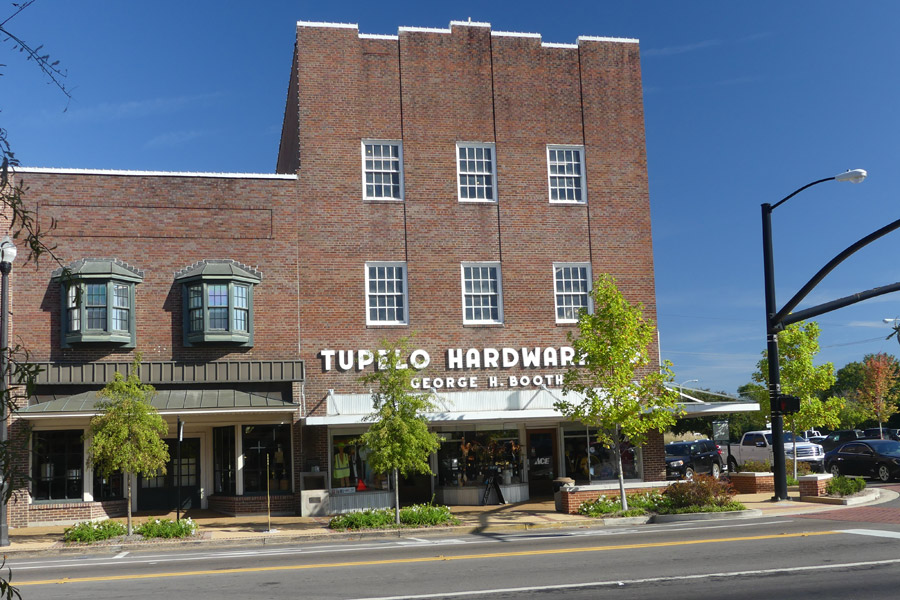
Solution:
(786, 405)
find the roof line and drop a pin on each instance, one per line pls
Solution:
(117, 172)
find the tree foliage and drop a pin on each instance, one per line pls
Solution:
(798, 345)
(398, 439)
(614, 387)
(878, 392)
(127, 434)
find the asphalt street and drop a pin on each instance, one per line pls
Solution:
(796, 557)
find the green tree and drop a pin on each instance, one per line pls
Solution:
(614, 387)
(127, 433)
(398, 439)
(878, 392)
(798, 345)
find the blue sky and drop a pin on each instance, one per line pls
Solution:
(744, 103)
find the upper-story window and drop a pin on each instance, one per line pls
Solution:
(482, 293)
(386, 296)
(218, 302)
(382, 170)
(565, 168)
(572, 290)
(476, 170)
(98, 302)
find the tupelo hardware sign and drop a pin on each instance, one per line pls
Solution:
(458, 359)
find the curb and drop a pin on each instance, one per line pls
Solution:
(708, 516)
(862, 498)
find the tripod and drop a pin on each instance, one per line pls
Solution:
(492, 481)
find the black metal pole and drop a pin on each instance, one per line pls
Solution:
(772, 356)
(5, 268)
(178, 469)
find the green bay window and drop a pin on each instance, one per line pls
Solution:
(98, 302)
(218, 302)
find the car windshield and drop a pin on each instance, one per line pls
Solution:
(677, 450)
(886, 447)
(788, 437)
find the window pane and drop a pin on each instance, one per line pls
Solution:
(57, 465)
(481, 294)
(571, 291)
(476, 170)
(386, 296)
(260, 442)
(383, 173)
(564, 167)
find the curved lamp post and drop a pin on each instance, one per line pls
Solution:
(775, 322)
(7, 256)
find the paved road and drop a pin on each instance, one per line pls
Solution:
(759, 558)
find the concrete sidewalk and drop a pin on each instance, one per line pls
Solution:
(219, 530)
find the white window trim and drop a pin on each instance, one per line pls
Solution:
(376, 263)
(462, 282)
(583, 174)
(493, 148)
(362, 151)
(590, 279)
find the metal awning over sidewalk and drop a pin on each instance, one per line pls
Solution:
(206, 401)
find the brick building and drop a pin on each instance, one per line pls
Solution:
(463, 186)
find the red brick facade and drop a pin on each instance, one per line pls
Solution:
(311, 236)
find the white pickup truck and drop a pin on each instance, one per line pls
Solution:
(757, 446)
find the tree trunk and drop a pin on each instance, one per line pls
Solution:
(128, 501)
(396, 497)
(618, 453)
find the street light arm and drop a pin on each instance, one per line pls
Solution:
(781, 318)
(815, 311)
(795, 192)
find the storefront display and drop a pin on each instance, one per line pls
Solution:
(466, 457)
(602, 460)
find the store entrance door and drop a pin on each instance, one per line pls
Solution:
(541, 462)
(161, 493)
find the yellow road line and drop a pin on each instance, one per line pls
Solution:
(366, 563)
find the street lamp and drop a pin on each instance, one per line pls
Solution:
(7, 256)
(775, 322)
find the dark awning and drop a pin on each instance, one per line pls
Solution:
(165, 401)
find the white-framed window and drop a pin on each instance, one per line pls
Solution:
(572, 285)
(386, 295)
(565, 170)
(482, 293)
(382, 166)
(476, 172)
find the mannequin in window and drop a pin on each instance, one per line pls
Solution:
(342, 467)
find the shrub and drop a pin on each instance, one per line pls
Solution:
(89, 531)
(803, 467)
(167, 528)
(757, 466)
(417, 515)
(426, 515)
(844, 486)
(702, 491)
(608, 506)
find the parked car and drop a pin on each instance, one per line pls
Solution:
(865, 458)
(685, 459)
(757, 446)
(876, 434)
(835, 439)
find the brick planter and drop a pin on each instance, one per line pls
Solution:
(813, 485)
(571, 497)
(753, 483)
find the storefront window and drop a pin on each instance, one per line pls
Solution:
(223, 461)
(467, 457)
(58, 465)
(350, 470)
(602, 460)
(260, 442)
(110, 487)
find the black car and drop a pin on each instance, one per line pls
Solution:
(885, 433)
(865, 458)
(833, 440)
(684, 459)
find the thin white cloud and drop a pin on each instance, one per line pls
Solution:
(135, 109)
(173, 138)
(673, 50)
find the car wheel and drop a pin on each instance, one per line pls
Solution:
(884, 474)
(689, 473)
(715, 471)
(732, 465)
(835, 470)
